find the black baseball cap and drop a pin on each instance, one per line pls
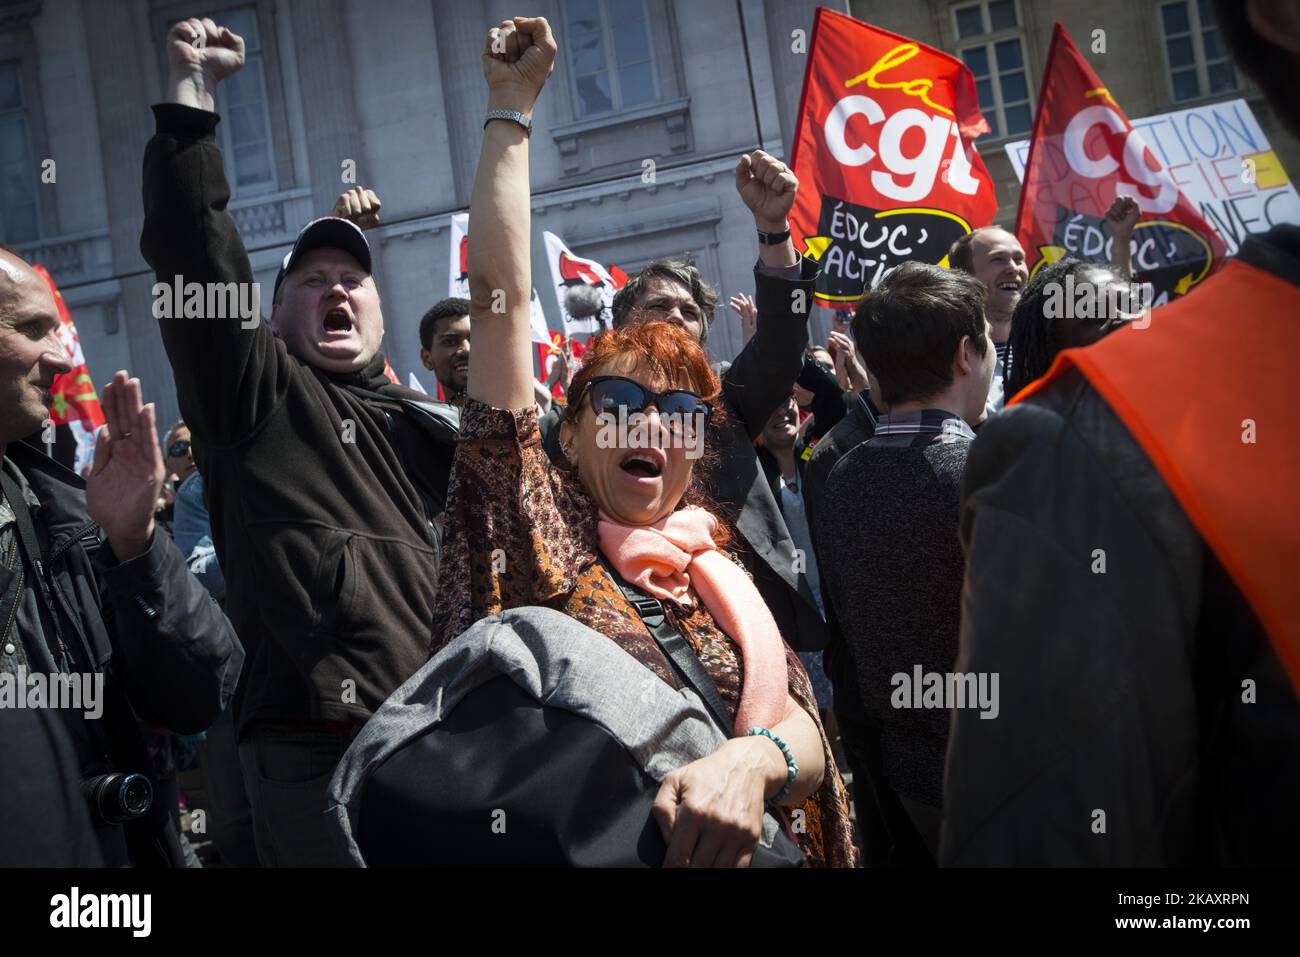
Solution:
(328, 232)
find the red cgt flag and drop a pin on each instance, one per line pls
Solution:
(1083, 154)
(885, 155)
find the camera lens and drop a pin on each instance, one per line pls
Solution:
(119, 798)
(136, 795)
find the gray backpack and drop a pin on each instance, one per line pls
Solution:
(529, 740)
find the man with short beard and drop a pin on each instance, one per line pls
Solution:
(323, 478)
(444, 346)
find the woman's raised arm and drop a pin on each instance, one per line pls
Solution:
(517, 58)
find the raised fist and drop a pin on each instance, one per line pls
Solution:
(768, 188)
(359, 205)
(1123, 215)
(200, 46)
(518, 57)
(200, 55)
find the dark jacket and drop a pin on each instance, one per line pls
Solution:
(46, 821)
(322, 488)
(895, 583)
(1121, 692)
(169, 656)
(753, 386)
(828, 405)
(760, 379)
(888, 836)
(856, 426)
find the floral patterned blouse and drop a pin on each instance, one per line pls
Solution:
(522, 532)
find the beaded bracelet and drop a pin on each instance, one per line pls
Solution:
(791, 769)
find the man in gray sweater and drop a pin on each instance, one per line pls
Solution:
(889, 516)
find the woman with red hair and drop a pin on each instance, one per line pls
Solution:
(524, 532)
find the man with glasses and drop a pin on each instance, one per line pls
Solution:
(178, 458)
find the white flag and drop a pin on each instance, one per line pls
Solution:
(568, 271)
(458, 277)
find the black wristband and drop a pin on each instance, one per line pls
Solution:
(773, 239)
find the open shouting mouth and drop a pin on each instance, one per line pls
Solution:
(648, 464)
(337, 322)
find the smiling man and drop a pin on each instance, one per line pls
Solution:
(323, 478)
(994, 257)
(444, 346)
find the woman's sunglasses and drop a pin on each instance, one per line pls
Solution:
(610, 393)
(178, 448)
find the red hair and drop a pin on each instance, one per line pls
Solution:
(671, 354)
(663, 348)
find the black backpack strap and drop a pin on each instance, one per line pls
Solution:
(686, 663)
(29, 541)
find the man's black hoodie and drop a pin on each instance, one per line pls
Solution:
(321, 487)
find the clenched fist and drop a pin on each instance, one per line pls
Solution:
(1123, 215)
(518, 57)
(200, 55)
(359, 205)
(768, 188)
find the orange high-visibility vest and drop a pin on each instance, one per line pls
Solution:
(1206, 389)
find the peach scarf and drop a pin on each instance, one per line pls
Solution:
(675, 555)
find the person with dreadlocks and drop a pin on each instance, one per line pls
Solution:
(1067, 304)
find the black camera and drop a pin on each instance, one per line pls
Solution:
(118, 798)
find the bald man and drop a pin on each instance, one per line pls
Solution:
(84, 579)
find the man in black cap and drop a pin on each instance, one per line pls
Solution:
(323, 478)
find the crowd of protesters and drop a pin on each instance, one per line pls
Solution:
(866, 520)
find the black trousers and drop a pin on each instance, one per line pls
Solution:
(230, 815)
(286, 776)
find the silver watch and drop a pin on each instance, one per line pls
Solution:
(514, 116)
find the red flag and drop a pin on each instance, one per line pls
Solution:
(546, 358)
(75, 402)
(885, 155)
(390, 374)
(1083, 154)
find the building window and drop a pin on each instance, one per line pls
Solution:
(989, 41)
(1198, 63)
(609, 50)
(244, 132)
(19, 220)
